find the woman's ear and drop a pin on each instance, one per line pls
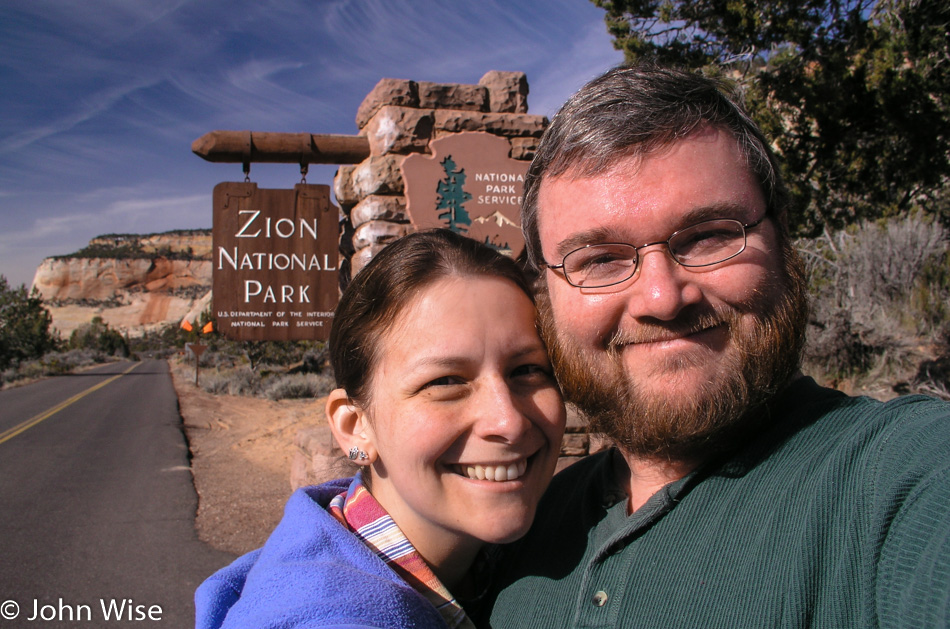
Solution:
(351, 428)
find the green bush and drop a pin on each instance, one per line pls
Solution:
(97, 335)
(25, 324)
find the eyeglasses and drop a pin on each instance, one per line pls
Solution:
(702, 244)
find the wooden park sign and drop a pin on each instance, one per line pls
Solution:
(471, 186)
(276, 255)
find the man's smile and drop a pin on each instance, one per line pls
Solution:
(660, 336)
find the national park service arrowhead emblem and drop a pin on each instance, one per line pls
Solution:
(471, 186)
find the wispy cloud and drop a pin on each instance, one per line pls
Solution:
(85, 109)
(103, 98)
(115, 211)
(585, 57)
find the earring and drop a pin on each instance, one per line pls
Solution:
(356, 452)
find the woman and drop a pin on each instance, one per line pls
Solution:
(447, 402)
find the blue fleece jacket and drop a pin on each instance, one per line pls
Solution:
(311, 572)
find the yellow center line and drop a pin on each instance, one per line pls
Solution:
(10, 433)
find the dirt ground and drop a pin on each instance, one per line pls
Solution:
(241, 450)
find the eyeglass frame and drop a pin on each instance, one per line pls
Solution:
(636, 250)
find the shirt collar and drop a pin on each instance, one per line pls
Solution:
(360, 512)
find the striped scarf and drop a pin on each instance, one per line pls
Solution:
(357, 510)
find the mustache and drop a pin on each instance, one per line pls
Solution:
(657, 332)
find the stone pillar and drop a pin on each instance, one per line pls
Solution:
(400, 117)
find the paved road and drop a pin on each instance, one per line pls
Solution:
(97, 504)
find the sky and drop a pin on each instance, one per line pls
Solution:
(101, 99)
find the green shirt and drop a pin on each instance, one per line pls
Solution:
(838, 517)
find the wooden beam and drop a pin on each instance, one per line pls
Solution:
(285, 148)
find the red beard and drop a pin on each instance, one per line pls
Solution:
(722, 413)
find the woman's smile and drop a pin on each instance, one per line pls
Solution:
(493, 472)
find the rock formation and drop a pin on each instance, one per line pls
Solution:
(135, 283)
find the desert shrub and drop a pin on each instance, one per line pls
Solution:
(29, 370)
(273, 369)
(276, 353)
(315, 359)
(933, 377)
(162, 342)
(930, 295)
(240, 381)
(836, 347)
(78, 357)
(70, 360)
(877, 289)
(297, 386)
(53, 364)
(214, 359)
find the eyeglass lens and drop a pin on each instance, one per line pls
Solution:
(702, 244)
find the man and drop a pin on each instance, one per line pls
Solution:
(739, 493)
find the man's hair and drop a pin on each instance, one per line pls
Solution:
(387, 285)
(637, 110)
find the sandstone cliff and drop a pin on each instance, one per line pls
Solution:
(135, 283)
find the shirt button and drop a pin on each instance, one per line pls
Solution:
(600, 599)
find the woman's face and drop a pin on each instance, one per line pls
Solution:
(466, 418)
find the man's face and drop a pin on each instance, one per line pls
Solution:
(663, 361)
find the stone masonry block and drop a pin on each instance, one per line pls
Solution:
(379, 175)
(453, 96)
(343, 186)
(524, 148)
(317, 440)
(507, 91)
(398, 92)
(575, 444)
(317, 458)
(576, 422)
(378, 233)
(362, 257)
(510, 125)
(566, 461)
(379, 207)
(306, 470)
(399, 130)
(599, 442)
